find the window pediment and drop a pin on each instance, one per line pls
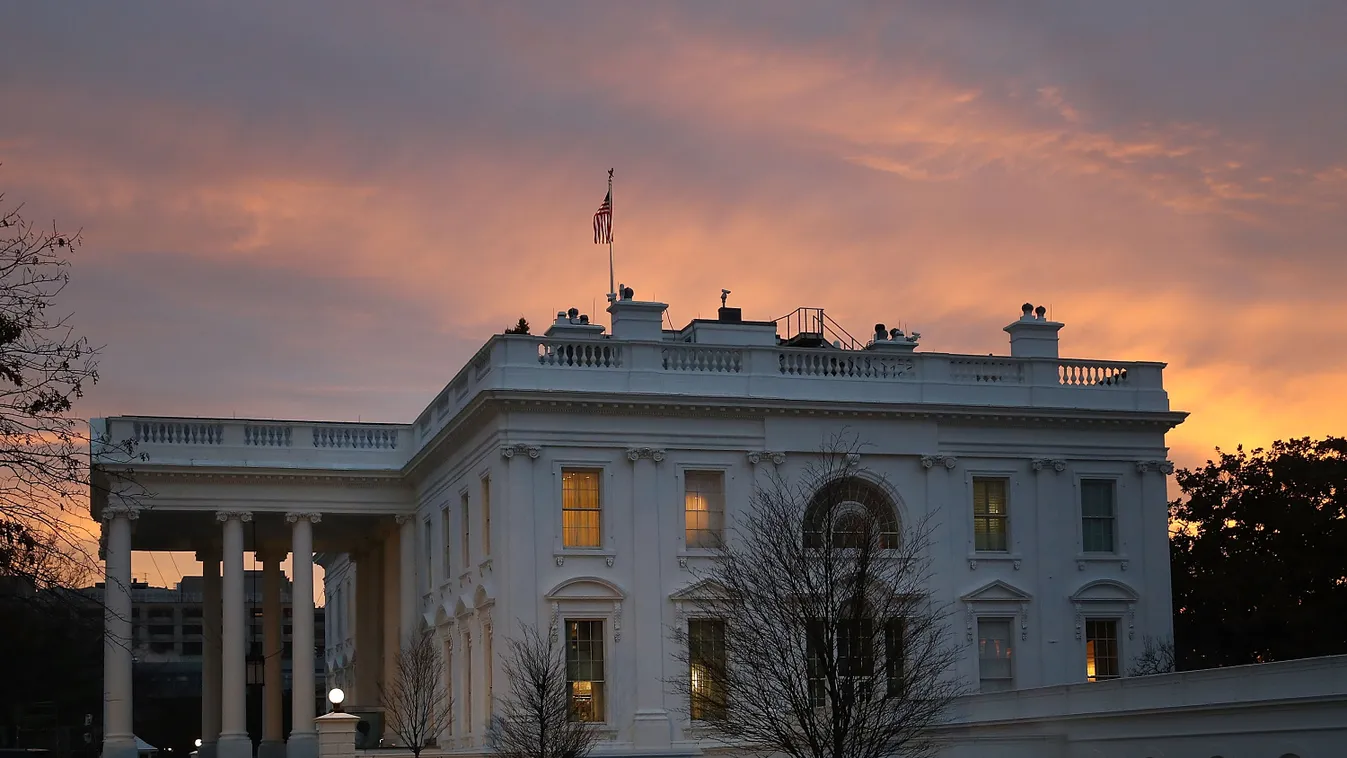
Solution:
(997, 591)
(705, 589)
(586, 588)
(1105, 591)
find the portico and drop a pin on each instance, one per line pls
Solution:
(222, 516)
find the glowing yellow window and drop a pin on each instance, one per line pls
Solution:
(581, 509)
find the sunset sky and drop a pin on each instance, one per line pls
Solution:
(320, 210)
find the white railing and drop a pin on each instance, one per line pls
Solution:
(179, 433)
(267, 436)
(580, 353)
(979, 370)
(1092, 374)
(698, 358)
(355, 438)
(844, 364)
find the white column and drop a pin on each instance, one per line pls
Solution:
(407, 586)
(234, 741)
(210, 651)
(651, 727)
(273, 684)
(118, 739)
(303, 741)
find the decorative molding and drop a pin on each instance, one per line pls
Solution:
(244, 516)
(560, 560)
(1162, 467)
(776, 458)
(1015, 564)
(682, 561)
(1131, 620)
(383, 479)
(1080, 619)
(972, 564)
(1080, 565)
(403, 518)
(637, 453)
(465, 578)
(931, 461)
(555, 626)
(532, 451)
(130, 512)
(608, 559)
(617, 621)
(968, 621)
(313, 516)
(1122, 565)
(1024, 621)
(853, 459)
(1041, 464)
(678, 613)
(484, 567)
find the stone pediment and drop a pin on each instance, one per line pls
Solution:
(586, 588)
(706, 588)
(997, 591)
(1105, 590)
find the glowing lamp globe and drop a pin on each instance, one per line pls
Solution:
(335, 696)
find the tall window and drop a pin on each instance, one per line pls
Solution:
(449, 685)
(447, 532)
(486, 671)
(994, 671)
(584, 669)
(1098, 515)
(853, 657)
(427, 537)
(467, 684)
(581, 505)
(704, 507)
(706, 657)
(990, 515)
(1101, 649)
(486, 517)
(464, 531)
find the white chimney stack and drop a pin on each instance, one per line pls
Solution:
(1033, 335)
(635, 319)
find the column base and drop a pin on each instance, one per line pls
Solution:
(119, 747)
(652, 729)
(271, 749)
(207, 750)
(302, 745)
(234, 746)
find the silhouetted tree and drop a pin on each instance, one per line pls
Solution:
(814, 635)
(1259, 555)
(416, 703)
(534, 719)
(521, 328)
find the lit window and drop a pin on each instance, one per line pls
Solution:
(1101, 649)
(853, 657)
(1097, 515)
(704, 507)
(994, 667)
(580, 509)
(706, 657)
(486, 517)
(584, 669)
(989, 515)
(447, 531)
(467, 684)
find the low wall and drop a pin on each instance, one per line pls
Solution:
(1271, 710)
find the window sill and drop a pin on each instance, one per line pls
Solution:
(560, 556)
(1014, 559)
(689, 553)
(1084, 559)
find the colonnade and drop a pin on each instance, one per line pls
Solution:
(225, 636)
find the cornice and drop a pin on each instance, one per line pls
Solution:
(246, 476)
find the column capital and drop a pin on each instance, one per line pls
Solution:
(1163, 467)
(403, 518)
(637, 453)
(314, 517)
(1042, 464)
(244, 516)
(532, 451)
(930, 461)
(775, 457)
(110, 512)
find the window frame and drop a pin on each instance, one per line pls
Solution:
(1116, 486)
(723, 474)
(600, 470)
(693, 716)
(485, 489)
(1116, 622)
(1010, 623)
(604, 647)
(1009, 483)
(465, 529)
(447, 534)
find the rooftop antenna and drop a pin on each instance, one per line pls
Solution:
(724, 295)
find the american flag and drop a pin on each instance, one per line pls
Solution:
(603, 221)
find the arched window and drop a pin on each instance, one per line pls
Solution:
(847, 511)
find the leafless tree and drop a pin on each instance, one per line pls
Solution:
(815, 635)
(1156, 657)
(534, 718)
(416, 703)
(45, 481)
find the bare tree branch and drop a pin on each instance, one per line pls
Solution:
(816, 636)
(416, 703)
(534, 718)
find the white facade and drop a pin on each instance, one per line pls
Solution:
(456, 521)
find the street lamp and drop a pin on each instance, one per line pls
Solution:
(198, 742)
(335, 696)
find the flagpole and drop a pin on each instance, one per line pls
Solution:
(612, 288)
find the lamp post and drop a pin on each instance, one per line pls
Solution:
(335, 696)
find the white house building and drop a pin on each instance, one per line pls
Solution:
(576, 477)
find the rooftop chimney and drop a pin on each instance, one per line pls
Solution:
(636, 319)
(1033, 336)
